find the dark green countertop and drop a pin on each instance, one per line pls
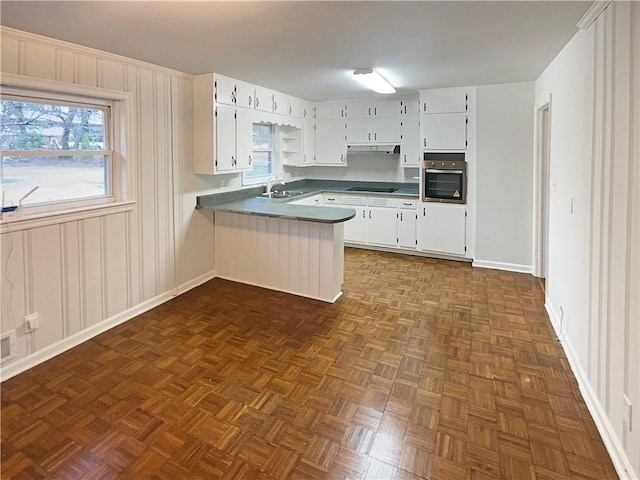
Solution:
(250, 202)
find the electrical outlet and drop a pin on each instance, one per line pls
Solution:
(628, 418)
(221, 184)
(31, 322)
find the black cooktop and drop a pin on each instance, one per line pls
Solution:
(372, 189)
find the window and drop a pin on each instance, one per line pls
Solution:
(60, 144)
(263, 158)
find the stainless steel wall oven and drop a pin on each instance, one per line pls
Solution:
(444, 177)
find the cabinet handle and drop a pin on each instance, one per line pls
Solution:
(257, 102)
(405, 109)
(275, 106)
(400, 216)
(369, 111)
(375, 110)
(375, 136)
(304, 113)
(249, 159)
(369, 136)
(424, 212)
(424, 106)
(363, 214)
(249, 100)
(425, 142)
(342, 157)
(289, 110)
(369, 213)
(405, 159)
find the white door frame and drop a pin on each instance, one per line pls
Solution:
(541, 190)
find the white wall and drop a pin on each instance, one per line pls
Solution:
(368, 167)
(594, 269)
(83, 276)
(504, 181)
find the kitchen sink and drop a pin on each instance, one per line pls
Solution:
(283, 194)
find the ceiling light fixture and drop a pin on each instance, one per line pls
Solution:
(372, 79)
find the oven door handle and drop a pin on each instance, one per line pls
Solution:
(431, 170)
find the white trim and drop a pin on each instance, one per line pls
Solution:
(509, 267)
(620, 461)
(28, 222)
(193, 283)
(592, 14)
(30, 361)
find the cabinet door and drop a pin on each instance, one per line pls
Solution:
(331, 143)
(244, 138)
(386, 108)
(359, 109)
(359, 130)
(225, 132)
(308, 142)
(443, 101)
(280, 103)
(410, 107)
(225, 90)
(244, 94)
(444, 131)
(442, 229)
(263, 100)
(307, 110)
(331, 111)
(410, 152)
(355, 230)
(407, 228)
(382, 226)
(386, 130)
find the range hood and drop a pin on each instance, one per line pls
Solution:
(379, 149)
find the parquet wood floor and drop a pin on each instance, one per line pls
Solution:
(424, 369)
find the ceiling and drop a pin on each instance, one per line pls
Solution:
(309, 49)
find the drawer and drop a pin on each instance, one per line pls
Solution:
(407, 203)
(353, 200)
(383, 202)
(330, 199)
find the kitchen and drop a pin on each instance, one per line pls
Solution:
(136, 259)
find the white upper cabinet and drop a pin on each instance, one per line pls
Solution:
(244, 94)
(331, 143)
(263, 99)
(452, 100)
(222, 129)
(410, 106)
(386, 108)
(307, 110)
(386, 130)
(280, 103)
(331, 111)
(229, 91)
(224, 90)
(308, 142)
(445, 131)
(410, 151)
(359, 109)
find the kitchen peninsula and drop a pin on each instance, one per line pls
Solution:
(281, 245)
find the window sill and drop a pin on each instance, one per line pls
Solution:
(29, 221)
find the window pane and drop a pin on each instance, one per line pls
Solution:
(41, 126)
(262, 137)
(59, 178)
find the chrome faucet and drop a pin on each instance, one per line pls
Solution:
(273, 181)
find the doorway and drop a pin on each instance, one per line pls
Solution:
(543, 142)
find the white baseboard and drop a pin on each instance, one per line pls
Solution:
(16, 367)
(620, 461)
(196, 282)
(509, 267)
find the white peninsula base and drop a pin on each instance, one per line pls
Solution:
(294, 256)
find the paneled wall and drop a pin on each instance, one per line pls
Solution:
(593, 286)
(84, 276)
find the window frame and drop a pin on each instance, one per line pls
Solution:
(248, 180)
(43, 98)
(122, 174)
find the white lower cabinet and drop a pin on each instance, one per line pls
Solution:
(442, 228)
(314, 200)
(374, 223)
(407, 224)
